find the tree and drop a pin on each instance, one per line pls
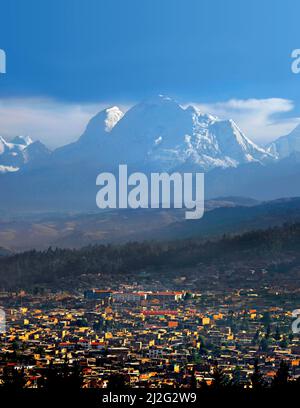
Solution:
(75, 378)
(116, 381)
(197, 357)
(256, 378)
(264, 345)
(282, 376)
(255, 338)
(203, 385)
(284, 343)
(203, 345)
(236, 378)
(266, 319)
(277, 334)
(220, 380)
(13, 378)
(193, 380)
(64, 377)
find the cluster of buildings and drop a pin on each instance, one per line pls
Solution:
(153, 338)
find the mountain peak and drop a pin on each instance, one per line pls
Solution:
(102, 123)
(159, 99)
(22, 140)
(284, 146)
(113, 115)
(205, 117)
(159, 102)
(35, 153)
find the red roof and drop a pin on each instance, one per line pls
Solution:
(159, 312)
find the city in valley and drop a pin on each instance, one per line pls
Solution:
(142, 337)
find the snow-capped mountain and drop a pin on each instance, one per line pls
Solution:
(35, 154)
(11, 153)
(156, 133)
(20, 151)
(159, 133)
(285, 145)
(94, 141)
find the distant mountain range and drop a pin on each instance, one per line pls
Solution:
(155, 135)
(228, 215)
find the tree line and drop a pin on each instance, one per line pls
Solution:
(24, 270)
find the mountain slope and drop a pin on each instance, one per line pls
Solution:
(263, 182)
(233, 219)
(286, 145)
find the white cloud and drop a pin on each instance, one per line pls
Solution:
(53, 123)
(262, 120)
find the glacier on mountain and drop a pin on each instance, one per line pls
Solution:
(157, 133)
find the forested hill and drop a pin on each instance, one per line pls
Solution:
(278, 245)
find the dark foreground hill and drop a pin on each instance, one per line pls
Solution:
(253, 258)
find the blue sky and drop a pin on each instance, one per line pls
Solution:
(67, 59)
